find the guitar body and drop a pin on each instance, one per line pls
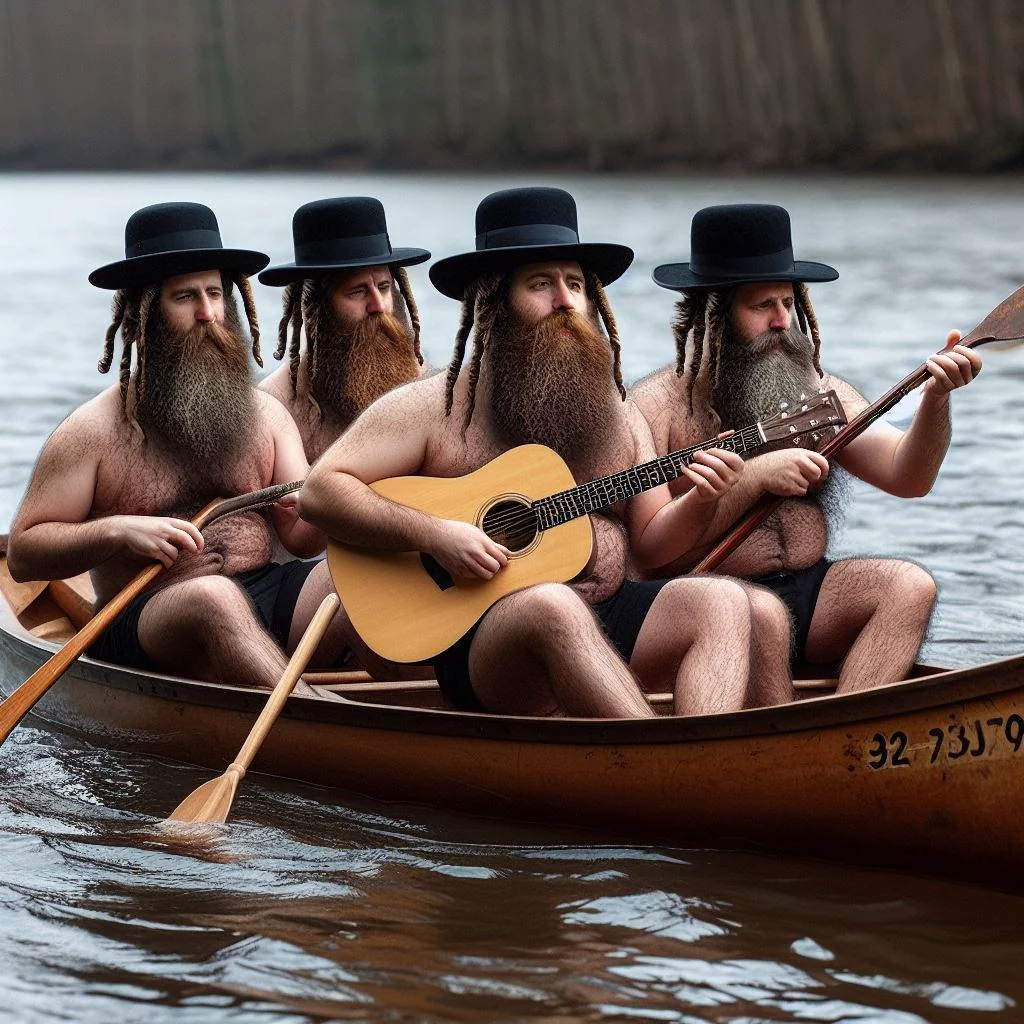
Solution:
(405, 607)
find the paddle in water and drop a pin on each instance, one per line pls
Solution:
(24, 698)
(212, 801)
(1004, 323)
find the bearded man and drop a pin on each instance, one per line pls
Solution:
(738, 354)
(348, 291)
(117, 482)
(543, 370)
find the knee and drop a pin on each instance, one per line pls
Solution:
(552, 608)
(210, 600)
(716, 602)
(768, 615)
(914, 587)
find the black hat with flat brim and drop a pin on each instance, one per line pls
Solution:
(741, 243)
(518, 226)
(334, 235)
(170, 239)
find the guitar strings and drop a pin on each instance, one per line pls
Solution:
(526, 515)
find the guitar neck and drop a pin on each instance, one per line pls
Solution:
(607, 490)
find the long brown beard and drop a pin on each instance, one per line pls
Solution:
(551, 383)
(756, 375)
(198, 404)
(356, 363)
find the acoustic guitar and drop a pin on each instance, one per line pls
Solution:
(408, 608)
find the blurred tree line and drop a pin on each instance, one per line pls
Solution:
(601, 84)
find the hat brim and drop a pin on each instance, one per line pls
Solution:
(286, 273)
(140, 271)
(450, 276)
(678, 277)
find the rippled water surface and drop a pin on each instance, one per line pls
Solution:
(315, 905)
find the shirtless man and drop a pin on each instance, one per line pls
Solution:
(738, 353)
(543, 371)
(348, 289)
(117, 481)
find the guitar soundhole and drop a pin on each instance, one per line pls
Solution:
(512, 523)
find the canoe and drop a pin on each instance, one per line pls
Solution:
(925, 774)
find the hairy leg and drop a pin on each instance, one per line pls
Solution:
(206, 629)
(541, 651)
(696, 639)
(771, 681)
(873, 612)
(341, 634)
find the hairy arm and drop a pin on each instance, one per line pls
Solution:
(906, 464)
(390, 439)
(52, 536)
(299, 537)
(662, 528)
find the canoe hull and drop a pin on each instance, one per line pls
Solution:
(925, 774)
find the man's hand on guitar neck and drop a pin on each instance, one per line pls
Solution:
(465, 550)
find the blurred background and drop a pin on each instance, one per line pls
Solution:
(582, 84)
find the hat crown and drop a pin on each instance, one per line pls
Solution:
(351, 217)
(169, 226)
(739, 230)
(526, 216)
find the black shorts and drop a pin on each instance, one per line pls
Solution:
(799, 593)
(621, 617)
(272, 591)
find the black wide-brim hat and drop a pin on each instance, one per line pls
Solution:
(739, 244)
(332, 235)
(170, 239)
(527, 225)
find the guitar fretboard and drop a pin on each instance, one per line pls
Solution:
(607, 490)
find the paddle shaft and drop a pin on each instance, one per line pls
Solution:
(768, 503)
(282, 691)
(19, 703)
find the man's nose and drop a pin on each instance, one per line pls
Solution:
(780, 318)
(204, 309)
(374, 301)
(562, 299)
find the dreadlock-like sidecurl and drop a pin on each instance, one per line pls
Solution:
(249, 304)
(604, 309)
(480, 304)
(808, 321)
(405, 288)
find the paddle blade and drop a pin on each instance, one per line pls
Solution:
(1004, 323)
(211, 802)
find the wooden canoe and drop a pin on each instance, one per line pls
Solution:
(926, 774)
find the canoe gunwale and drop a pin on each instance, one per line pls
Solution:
(939, 689)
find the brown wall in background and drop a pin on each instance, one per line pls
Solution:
(600, 84)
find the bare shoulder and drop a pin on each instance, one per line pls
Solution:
(656, 397)
(278, 384)
(412, 404)
(271, 409)
(92, 427)
(853, 401)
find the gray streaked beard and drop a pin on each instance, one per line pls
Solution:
(354, 363)
(756, 375)
(199, 403)
(551, 383)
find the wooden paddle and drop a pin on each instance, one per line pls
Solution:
(1004, 323)
(24, 698)
(211, 802)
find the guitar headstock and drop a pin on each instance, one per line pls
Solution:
(820, 415)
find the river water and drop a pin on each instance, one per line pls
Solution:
(318, 905)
